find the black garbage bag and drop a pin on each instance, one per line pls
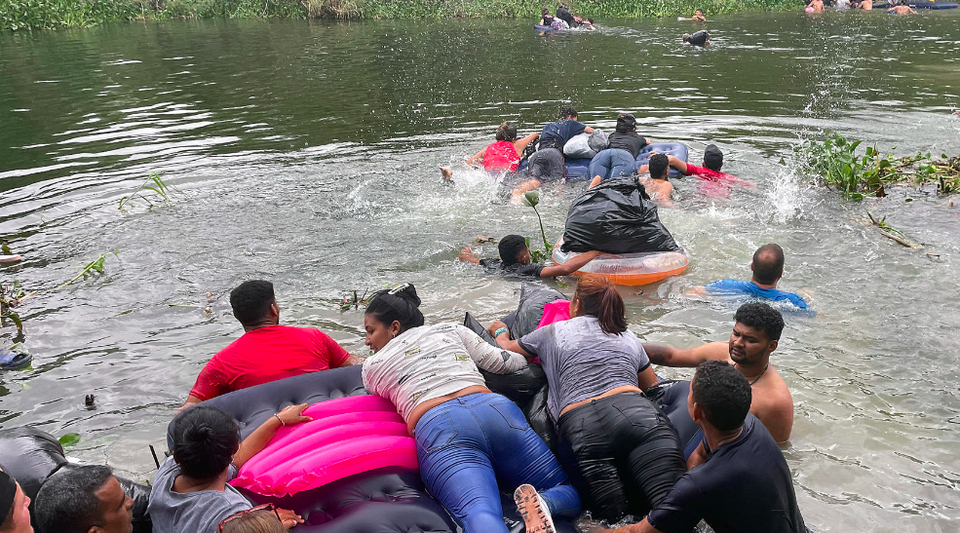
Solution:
(698, 38)
(30, 456)
(519, 386)
(616, 217)
(533, 298)
(539, 417)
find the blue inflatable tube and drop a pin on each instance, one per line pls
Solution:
(387, 499)
(678, 150)
(932, 5)
(579, 169)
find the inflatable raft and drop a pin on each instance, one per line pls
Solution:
(579, 169)
(629, 269)
(353, 472)
(922, 4)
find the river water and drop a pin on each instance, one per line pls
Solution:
(306, 154)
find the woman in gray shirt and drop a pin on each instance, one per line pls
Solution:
(190, 491)
(624, 447)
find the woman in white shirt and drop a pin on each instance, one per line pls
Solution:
(467, 437)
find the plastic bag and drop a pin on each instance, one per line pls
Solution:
(30, 456)
(598, 141)
(539, 417)
(586, 145)
(533, 298)
(616, 217)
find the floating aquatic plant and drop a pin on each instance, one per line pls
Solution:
(93, 266)
(532, 198)
(153, 184)
(838, 161)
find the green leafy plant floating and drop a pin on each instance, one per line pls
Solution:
(891, 232)
(10, 297)
(93, 266)
(70, 439)
(155, 185)
(837, 161)
(532, 198)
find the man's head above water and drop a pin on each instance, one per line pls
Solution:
(767, 264)
(659, 166)
(514, 250)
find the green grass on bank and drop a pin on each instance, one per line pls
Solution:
(49, 14)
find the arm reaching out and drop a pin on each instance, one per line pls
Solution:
(488, 357)
(521, 144)
(467, 255)
(686, 357)
(289, 416)
(678, 164)
(477, 157)
(571, 266)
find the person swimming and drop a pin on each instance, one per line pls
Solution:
(697, 16)
(698, 38)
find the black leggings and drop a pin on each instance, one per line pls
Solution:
(621, 453)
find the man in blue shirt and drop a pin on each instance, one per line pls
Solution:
(767, 267)
(547, 162)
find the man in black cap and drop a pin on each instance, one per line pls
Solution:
(14, 506)
(515, 260)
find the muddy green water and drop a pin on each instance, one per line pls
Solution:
(306, 154)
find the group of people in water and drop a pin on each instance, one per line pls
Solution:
(895, 7)
(617, 453)
(564, 20)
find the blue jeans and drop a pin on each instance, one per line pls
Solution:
(466, 444)
(613, 163)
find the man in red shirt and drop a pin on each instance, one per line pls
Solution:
(266, 351)
(710, 171)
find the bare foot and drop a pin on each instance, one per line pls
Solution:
(533, 510)
(445, 173)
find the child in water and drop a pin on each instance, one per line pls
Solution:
(697, 16)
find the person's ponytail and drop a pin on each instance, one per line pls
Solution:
(612, 314)
(597, 296)
(400, 304)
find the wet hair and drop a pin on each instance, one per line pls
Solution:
(568, 111)
(251, 301)
(545, 12)
(400, 303)
(761, 316)
(597, 296)
(507, 132)
(626, 123)
(768, 263)
(67, 501)
(723, 394)
(686, 37)
(712, 157)
(204, 441)
(510, 248)
(699, 11)
(659, 163)
(259, 521)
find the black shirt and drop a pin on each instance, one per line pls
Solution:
(630, 141)
(556, 134)
(496, 266)
(744, 487)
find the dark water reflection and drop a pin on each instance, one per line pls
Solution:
(306, 153)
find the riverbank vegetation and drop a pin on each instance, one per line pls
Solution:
(840, 163)
(49, 14)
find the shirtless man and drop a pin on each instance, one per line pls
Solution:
(755, 336)
(902, 10)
